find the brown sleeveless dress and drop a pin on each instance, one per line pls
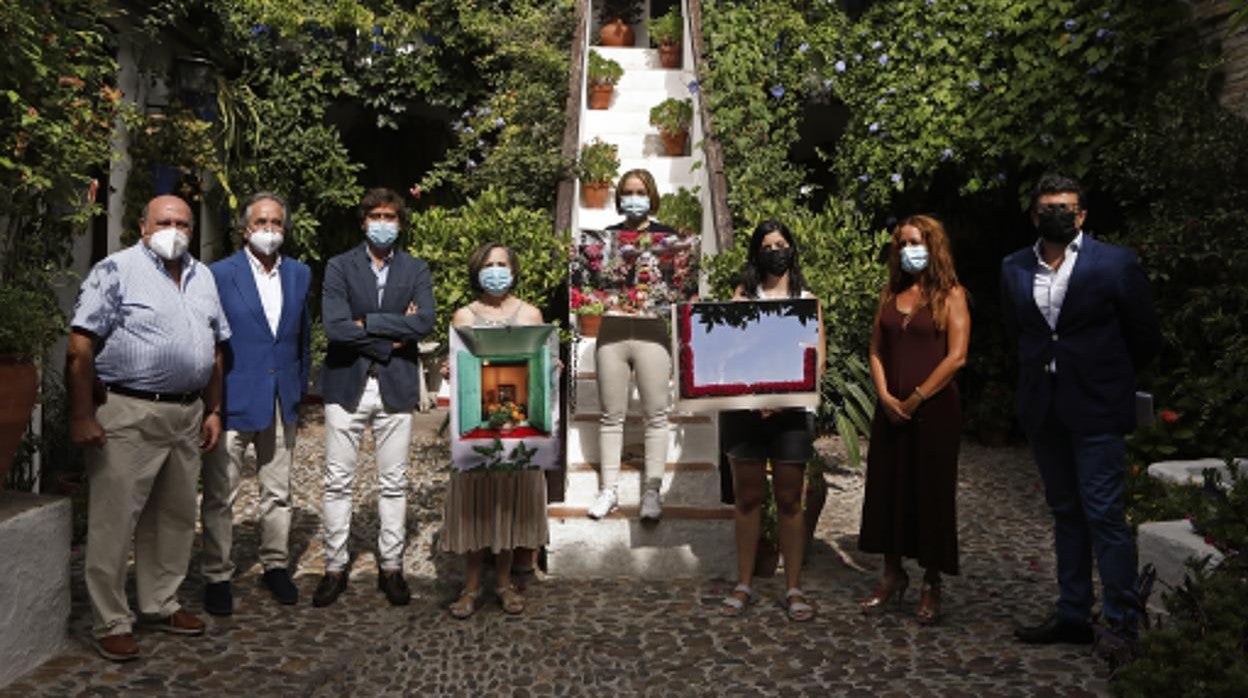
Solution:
(909, 507)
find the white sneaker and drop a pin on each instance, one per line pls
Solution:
(603, 505)
(651, 506)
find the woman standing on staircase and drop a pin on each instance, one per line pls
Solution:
(502, 510)
(784, 437)
(633, 345)
(919, 342)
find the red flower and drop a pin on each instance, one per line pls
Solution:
(1168, 416)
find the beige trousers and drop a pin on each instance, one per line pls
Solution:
(275, 450)
(629, 347)
(142, 486)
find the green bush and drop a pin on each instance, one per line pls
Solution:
(682, 210)
(446, 237)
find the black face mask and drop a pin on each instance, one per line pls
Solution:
(776, 262)
(1056, 225)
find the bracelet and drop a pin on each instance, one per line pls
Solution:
(922, 397)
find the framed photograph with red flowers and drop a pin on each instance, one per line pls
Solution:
(636, 272)
(746, 354)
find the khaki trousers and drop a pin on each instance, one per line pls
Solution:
(626, 348)
(275, 450)
(142, 486)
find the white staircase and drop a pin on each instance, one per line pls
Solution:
(695, 536)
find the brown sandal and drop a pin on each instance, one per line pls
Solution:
(466, 604)
(510, 599)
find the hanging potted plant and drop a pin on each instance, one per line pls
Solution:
(588, 307)
(597, 167)
(672, 117)
(666, 33)
(30, 321)
(603, 74)
(615, 17)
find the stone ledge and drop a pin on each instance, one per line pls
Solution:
(35, 536)
(1168, 545)
(1191, 472)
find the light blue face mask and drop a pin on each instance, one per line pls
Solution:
(635, 206)
(495, 280)
(913, 258)
(382, 233)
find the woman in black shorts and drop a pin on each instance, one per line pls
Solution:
(784, 437)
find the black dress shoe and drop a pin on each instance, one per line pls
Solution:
(1054, 630)
(218, 598)
(395, 587)
(280, 585)
(330, 588)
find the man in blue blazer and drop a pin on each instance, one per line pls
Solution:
(1082, 316)
(264, 294)
(377, 303)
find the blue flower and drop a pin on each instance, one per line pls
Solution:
(1105, 14)
(471, 164)
(1000, 176)
(864, 178)
(974, 84)
(378, 47)
(931, 2)
(876, 44)
(896, 178)
(873, 127)
(694, 87)
(1103, 33)
(989, 34)
(259, 29)
(377, 30)
(777, 91)
(485, 111)
(880, 101)
(1093, 71)
(827, 84)
(883, 59)
(500, 122)
(1046, 138)
(858, 57)
(803, 48)
(946, 154)
(839, 66)
(1070, 25)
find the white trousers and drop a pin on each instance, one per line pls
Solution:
(275, 450)
(392, 436)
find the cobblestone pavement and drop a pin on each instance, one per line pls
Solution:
(609, 637)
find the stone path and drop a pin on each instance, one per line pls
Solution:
(610, 637)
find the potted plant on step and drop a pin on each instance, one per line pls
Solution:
(666, 32)
(672, 117)
(603, 75)
(615, 17)
(30, 321)
(597, 167)
(588, 307)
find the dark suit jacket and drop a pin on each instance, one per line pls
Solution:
(350, 294)
(1107, 330)
(259, 365)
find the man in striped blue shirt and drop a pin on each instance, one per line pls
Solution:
(143, 372)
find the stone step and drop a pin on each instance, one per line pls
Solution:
(669, 83)
(1191, 472)
(1168, 545)
(684, 485)
(634, 103)
(630, 57)
(686, 543)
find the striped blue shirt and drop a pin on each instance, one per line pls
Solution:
(155, 336)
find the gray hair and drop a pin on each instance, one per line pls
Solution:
(264, 196)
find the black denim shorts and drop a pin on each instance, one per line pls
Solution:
(787, 436)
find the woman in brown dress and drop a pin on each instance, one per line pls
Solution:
(918, 343)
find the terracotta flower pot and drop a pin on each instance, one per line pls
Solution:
(669, 55)
(588, 325)
(594, 194)
(616, 33)
(21, 382)
(600, 95)
(674, 143)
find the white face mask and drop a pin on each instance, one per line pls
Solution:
(265, 242)
(169, 243)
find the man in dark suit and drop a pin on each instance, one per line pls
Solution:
(264, 294)
(1082, 316)
(377, 303)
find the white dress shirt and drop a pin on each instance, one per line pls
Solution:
(269, 286)
(1049, 288)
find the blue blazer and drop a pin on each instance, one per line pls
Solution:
(259, 365)
(1107, 331)
(350, 294)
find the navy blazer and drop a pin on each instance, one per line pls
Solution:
(259, 365)
(1106, 331)
(350, 294)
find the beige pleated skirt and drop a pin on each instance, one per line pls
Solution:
(499, 510)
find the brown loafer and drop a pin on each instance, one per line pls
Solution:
(121, 647)
(178, 623)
